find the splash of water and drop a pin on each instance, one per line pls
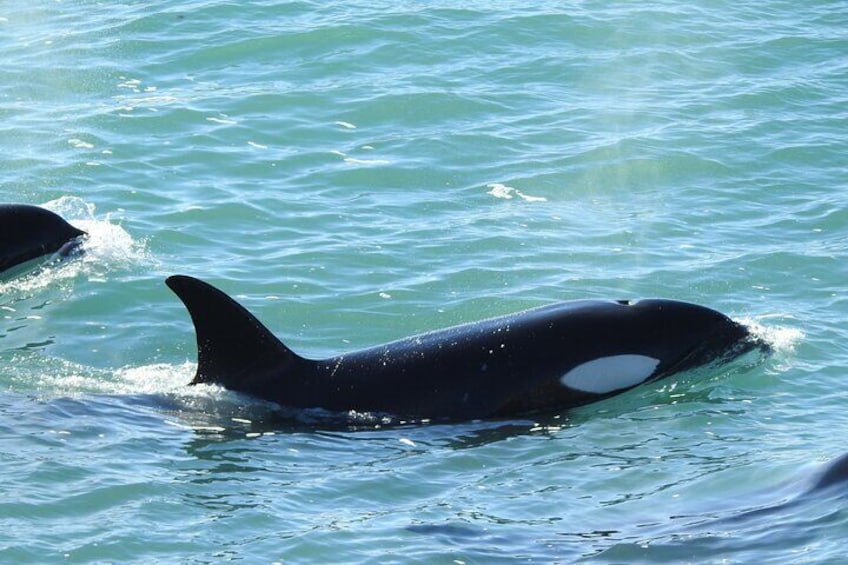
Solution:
(782, 339)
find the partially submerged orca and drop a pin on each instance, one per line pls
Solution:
(29, 232)
(547, 358)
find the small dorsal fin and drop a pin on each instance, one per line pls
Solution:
(233, 347)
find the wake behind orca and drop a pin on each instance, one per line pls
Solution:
(29, 232)
(548, 358)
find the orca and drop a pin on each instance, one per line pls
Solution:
(828, 484)
(548, 358)
(28, 232)
(835, 474)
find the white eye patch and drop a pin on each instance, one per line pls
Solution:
(607, 374)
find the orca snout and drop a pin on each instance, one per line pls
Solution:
(715, 336)
(732, 339)
(691, 333)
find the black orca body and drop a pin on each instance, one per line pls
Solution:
(829, 483)
(29, 232)
(834, 474)
(548, 358)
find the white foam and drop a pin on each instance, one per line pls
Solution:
(505, 192)
(782, 339)
(158, 378)
(80, 144)
(56, 377)
(607, 374)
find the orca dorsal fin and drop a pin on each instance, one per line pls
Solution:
(233, 347)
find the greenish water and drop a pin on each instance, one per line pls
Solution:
(358, 172)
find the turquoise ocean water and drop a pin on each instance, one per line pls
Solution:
(358, 172)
